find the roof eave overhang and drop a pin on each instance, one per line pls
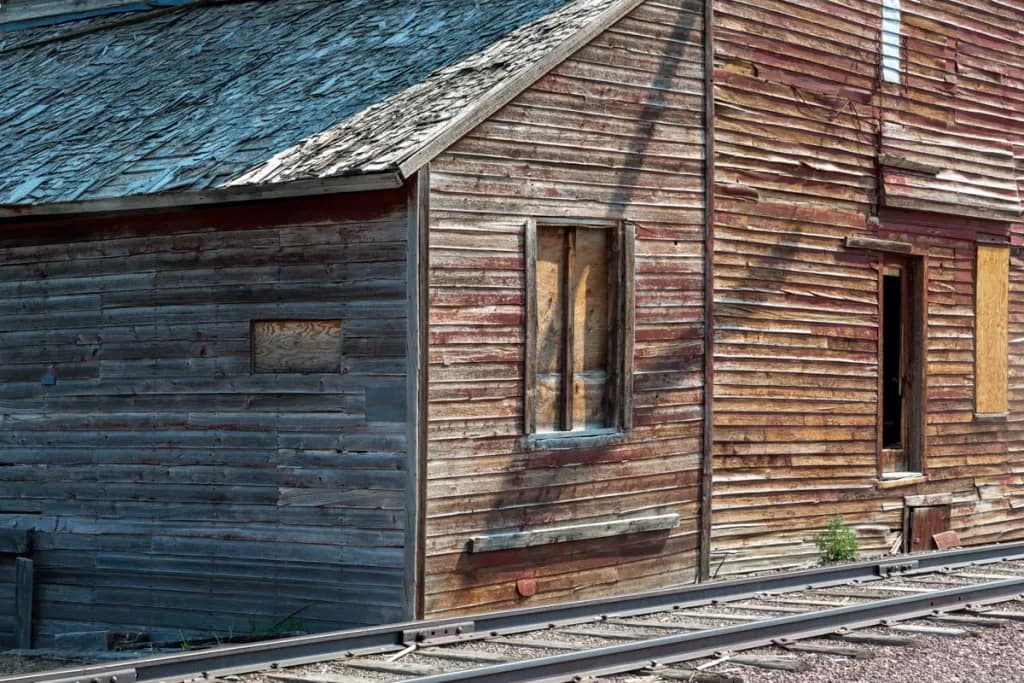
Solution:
(371, 182)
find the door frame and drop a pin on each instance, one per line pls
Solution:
(914, 345)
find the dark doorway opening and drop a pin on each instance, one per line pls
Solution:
(901, 348)
(892, 360)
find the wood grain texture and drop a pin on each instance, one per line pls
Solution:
(23, 596)
(525, 538)
(800, 117)
(611, 135)
(171, 490)
(991, 306)
(296, 346)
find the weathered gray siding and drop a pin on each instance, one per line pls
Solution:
(169, 488)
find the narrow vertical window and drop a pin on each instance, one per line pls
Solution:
(991, 343)
(580, 305)
(891, 31)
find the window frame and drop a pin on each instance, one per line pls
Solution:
(891, 42)
(620, 416)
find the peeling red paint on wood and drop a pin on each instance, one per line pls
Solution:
(612, 133)
(804, 127)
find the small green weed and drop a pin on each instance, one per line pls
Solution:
(837, 543)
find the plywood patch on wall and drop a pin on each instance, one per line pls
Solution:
(296, 346)
(991, 325)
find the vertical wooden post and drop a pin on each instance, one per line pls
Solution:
(569, 331)
(23, 587)
(707, 465)
(530, 361)
(417, 368)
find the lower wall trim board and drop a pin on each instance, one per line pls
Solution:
(527, 538)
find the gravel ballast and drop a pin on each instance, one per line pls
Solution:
(993, 656)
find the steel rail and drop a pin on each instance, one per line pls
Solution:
(244, 658)
(676, 648)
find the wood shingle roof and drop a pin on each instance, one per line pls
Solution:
(225, 94)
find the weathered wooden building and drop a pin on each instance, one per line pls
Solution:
(323, 314)
(280, 277)
(867, 354)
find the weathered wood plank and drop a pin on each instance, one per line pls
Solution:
(24, 593)
(157, 467)
(527, 538)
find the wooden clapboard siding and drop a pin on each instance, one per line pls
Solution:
(170, 488)
(800, 115)
(614, 133)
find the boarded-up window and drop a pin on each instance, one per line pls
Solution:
(296, 346)
(579, 327)
(990, 330)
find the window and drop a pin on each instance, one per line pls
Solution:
(891, 30)
(991, 345)
(296, 346)
(579, 327)
(901, 347)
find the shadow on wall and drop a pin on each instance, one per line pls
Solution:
(547, 487)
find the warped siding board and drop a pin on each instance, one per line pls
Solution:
(170, 489)
(799, 119)
(615, 132)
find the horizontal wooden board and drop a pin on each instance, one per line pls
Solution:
(168, 487)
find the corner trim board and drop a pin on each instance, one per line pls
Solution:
(708, 437)
(416, 395)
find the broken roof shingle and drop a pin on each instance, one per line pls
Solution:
(228, 93)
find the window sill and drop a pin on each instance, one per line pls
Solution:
(991, 417)
(891, 480)
(566, 440)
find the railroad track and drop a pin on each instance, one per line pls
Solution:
(828, 611)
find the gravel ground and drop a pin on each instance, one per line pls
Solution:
(992, 656)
